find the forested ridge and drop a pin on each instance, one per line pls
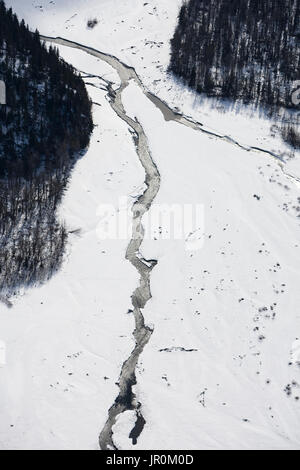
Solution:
(44, 126)
(244, 50)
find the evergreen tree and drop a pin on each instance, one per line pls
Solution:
(239, 49)
(46, 123)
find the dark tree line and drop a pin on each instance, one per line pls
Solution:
(244, 50)
(44, 126)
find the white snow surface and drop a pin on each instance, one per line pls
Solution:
(219, 300)
(226, 339)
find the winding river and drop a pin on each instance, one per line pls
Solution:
(126, 399)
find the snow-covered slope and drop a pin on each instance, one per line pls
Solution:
(221, 369)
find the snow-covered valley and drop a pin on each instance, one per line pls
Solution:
(221, 369)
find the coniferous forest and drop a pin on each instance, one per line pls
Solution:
(246, 50)
(44, 126)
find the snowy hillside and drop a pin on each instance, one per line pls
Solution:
(221, 368)
(139, 33)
